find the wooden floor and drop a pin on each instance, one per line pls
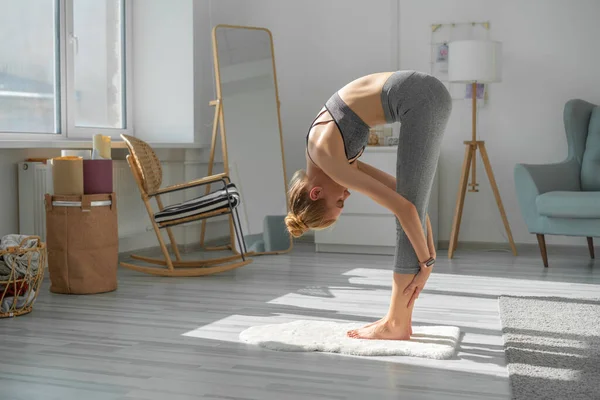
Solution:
(177, 338)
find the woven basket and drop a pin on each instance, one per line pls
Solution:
(19, 291)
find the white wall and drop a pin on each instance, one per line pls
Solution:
(320, 45)
(163, 70)
(548, 59)
(550, 56)
(173, 79)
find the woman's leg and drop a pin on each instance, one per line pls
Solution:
(422, 105)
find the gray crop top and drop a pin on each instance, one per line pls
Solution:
(354, 131)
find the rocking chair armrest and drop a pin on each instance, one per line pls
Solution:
(198, 182)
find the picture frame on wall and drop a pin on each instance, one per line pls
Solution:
(441, 57)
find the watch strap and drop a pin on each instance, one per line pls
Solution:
(429, 262)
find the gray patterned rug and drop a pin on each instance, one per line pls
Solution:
(552, 347)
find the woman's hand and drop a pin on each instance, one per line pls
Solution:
(417, 284)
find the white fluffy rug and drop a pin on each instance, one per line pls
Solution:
(437, 342)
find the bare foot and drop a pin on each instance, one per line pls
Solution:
(378, 322)
(381, 330)
(372, 323)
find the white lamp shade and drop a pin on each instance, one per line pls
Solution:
(475, 61)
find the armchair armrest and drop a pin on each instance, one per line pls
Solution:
(188, 185)
(562, 176)
(531, 180)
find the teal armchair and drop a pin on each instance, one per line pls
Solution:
(564, 198)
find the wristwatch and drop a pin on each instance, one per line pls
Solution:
(429, 262)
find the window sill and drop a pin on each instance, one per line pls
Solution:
(85, 144)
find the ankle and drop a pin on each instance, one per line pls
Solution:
(394, 322)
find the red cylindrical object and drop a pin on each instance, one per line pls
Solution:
(97, 176)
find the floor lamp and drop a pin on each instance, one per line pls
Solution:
(475, 62)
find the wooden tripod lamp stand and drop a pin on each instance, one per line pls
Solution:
(475, 62)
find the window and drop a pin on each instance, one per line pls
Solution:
(29, 67)
(63, 70)
(98, 81)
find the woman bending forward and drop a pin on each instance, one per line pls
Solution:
(334, 143)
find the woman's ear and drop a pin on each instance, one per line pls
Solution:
(315, 193)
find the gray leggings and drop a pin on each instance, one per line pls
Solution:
(422, 105)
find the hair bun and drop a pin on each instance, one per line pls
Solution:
(295, 226)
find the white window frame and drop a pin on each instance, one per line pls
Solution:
(67, 128)
(73, 131)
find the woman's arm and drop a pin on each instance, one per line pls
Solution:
(430, 243)
(390, 181)
(337, 168)
(383, 177)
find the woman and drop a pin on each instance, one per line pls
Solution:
(336, 139)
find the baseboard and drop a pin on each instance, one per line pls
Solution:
(445, 245)
(442, 245)
(353, 249)
(521, 247)
(308, 237)
(184, 248)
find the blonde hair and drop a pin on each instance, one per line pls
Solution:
(304, 213)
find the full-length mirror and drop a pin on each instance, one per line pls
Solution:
(246, 86)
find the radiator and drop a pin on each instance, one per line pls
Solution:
(35, 180)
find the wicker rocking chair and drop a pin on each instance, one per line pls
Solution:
(147, 171)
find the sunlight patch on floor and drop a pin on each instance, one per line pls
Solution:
(483, 285)
(228, 329)
(365, 299)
